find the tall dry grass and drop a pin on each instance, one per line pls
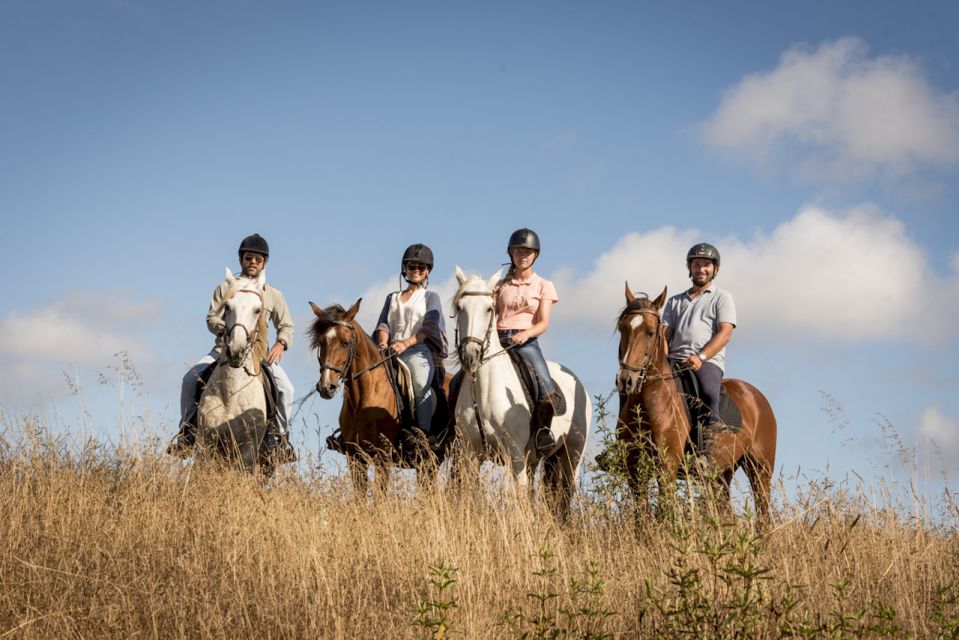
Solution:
(100, 542)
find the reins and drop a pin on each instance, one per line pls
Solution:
(344, 371)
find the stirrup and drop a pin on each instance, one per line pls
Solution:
(277, 446)
(544, 440)
(183, 443)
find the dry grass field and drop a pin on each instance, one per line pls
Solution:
(105, 543)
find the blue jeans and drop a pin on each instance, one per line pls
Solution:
(534, 356)
(419, 360)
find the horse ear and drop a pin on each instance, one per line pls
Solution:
(229, 276)
(494, 280)
(658, 302)
(460, 276)
(319, 312)
(629, 294)
(261, 279)
(352, 311)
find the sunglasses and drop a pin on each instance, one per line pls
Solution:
(253, 257)
(416, 266)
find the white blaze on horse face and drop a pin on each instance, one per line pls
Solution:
(330, 338)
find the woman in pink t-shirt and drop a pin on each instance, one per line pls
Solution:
(524, 302)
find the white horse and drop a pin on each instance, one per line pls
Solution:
(492, 413)
(232, 411)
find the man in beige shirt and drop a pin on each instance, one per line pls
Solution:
(254, 252)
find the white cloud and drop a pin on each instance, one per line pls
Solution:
(942, 431)
(50, 334)
(850, 114)
(849, 276)
(83, 329)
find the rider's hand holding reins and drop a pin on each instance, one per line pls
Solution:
(275, 353)
(694, 362)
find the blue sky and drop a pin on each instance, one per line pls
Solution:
(817, 144)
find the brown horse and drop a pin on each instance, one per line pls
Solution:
(647, 380)
(370, 423)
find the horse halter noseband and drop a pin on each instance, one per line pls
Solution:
(484, 343)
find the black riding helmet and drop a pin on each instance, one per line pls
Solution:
(703, 250)
(254, 244)
(417, 253)
(525, 238)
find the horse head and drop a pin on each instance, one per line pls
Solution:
(474, 306)
(641, 336)
(333, 335)
(242, 309)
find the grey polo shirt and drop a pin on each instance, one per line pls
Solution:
(695, 322)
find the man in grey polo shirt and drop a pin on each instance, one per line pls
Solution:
(699, 323)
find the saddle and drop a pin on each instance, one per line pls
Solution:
(402, 382)
(730, 418)
(269, 387)
(530, 387)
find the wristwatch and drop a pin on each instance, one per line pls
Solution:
(702, 356)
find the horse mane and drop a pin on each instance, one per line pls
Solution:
(331, 315)
(261, 344)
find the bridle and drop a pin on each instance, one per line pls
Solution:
(643, 370)
(485, 342)
(344, 371)
(351, 354)
(250, 335)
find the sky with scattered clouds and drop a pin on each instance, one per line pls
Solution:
(816, 145)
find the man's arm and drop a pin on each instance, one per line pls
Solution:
(716, 344)
(284, 327)
(214, 317)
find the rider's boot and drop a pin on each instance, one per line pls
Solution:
(439, 442)
(184, 441)
(277, 444)
(543, 438)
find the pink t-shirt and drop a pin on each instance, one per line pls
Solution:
(518, 302)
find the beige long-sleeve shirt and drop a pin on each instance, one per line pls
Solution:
(273, 303)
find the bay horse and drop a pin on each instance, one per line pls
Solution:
(370, 421)
(492, 413)
(232, 412)
(662, 432)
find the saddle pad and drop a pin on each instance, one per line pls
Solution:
(530, 389)
(688, 385)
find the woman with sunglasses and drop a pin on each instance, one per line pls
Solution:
(412, 324)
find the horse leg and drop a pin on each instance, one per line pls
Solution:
(357, 466)
(559, 480)
(760, 474)
(381, 467)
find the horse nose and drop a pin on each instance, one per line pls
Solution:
(626, 382)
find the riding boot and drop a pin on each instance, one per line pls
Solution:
(543, 438)
(185, 440)
(277, 443)
(440, 441)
